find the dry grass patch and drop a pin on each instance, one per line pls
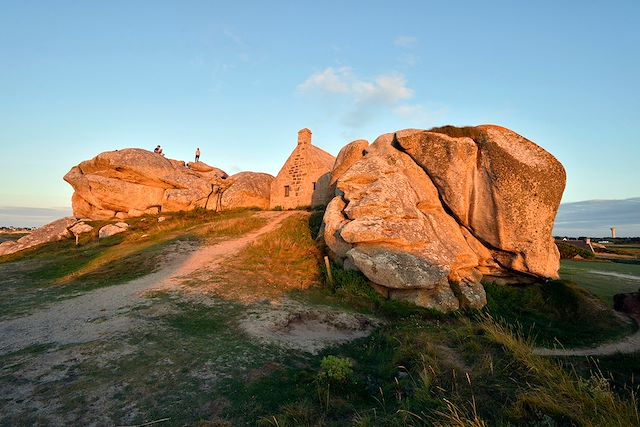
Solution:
(283, 260)
(555, 395)
(146, 234)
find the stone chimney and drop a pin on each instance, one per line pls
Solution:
(304, 137)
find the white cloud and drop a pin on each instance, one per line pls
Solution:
(384, 89)
(405, 41)
(364, 99)
(329, 80)
(409, 59)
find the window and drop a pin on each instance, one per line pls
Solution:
(286, 191)
(314, 185)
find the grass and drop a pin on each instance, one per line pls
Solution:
(460, 132)
(555, 395)
(556, 312)
(603, 279)
(62, 269)
(185, 358)
(277, 263)
(568, 251)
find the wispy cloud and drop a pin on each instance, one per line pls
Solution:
(236, 39)
(407, 45)
(409, 59)
(242, 48)
(405, 41)
(365, 97)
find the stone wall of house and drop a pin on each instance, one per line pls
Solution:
(304, 179)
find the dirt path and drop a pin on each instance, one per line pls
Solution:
(103, 311)
(210, 257)
(626, 345)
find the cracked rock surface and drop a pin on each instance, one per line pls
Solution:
(131, 182)
(428, 215)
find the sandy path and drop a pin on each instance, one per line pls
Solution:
(626, 345)
(210, 257)
(103, 311)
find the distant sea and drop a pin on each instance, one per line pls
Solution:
(30, 217)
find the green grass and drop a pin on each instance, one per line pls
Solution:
(568, 251)
(604, 279)
(30, 283)
(556, 312)
(186, 358)
(62, 270)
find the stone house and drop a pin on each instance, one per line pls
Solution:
(304, 179)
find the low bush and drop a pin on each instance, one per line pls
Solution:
(335, 370)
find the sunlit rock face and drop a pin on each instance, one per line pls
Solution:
(132, 182)
(428, 215)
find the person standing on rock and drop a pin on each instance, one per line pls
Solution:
(198, 154)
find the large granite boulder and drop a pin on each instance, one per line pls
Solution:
(247, 190)
(428, 215)
(133, 182)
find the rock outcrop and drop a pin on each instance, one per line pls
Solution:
(428, 215)
(80, 228)
(133, 182)
(249, 190)
(52, 232)
(628, 303)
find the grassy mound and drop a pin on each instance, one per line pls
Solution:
(568, 251)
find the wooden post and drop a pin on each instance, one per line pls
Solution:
(329, 274)
(77, 239)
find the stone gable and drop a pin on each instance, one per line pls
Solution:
(304, 179)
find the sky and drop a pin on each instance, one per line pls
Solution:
(594, 218)
(239, 79)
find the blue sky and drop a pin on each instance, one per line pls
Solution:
(238, 79)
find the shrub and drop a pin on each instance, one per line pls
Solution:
(335, 370)
(459, 132)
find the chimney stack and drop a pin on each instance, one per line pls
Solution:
(304, 137)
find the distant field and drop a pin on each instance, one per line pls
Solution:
(633, 249)
(605, 279)
(11, 237)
